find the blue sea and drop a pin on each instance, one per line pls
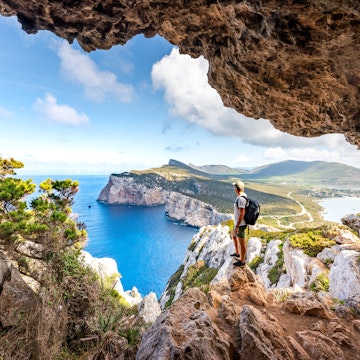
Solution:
(336, 208)
(147, 247)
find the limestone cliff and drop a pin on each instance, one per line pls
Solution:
(192, 212)
(125, 189)
(296, 63)
(153, 189)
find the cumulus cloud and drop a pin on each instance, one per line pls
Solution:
(98, 84)
(51, 111)
(186, 89)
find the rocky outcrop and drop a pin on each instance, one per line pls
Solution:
(109, 274)
(344, 275)
(352, 221)
(149, 309)
(286, 321)
(296, 63)
(153, 189)
(126, 190)
(189, 329)
(237, 319)
(192, 212)
(18, 293)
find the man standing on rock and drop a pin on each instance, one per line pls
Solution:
(238, 233)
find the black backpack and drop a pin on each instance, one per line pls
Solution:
(252, 210)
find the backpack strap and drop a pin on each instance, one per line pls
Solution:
(247, 202)
(246, 198)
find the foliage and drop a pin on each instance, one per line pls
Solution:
(278, 269)
(254, 263)
(200, 276)
(171, 286)
(311, 242)
(321, 283)
(76, 315)
(281, 294)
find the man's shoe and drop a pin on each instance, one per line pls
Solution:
(235, 254)
(239, 263)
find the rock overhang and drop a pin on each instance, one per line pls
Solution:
(296, 63)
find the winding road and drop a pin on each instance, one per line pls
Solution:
(292, 225)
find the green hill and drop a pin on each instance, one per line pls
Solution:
(320, 173)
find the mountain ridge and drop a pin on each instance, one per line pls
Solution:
(292, 171)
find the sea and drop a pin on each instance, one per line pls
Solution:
(336, 208)
(147, 247)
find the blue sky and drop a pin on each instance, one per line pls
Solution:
(65, 111)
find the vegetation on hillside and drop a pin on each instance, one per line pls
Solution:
(72, 315)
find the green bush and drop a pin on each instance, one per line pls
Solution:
(311, 242)
(321, 283)
(254, 264)
(278, 269)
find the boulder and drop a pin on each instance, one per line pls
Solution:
(253, 249)
(344, 275)
(18, 293)
(149, 309)
(262, 337)
(189, 329)
(352, 221)
(319, 346)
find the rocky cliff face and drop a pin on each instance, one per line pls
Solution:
(296, 63)
(295, 316)
(129, 189)
(126, 190)
(192, 212)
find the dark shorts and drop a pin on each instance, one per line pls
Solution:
(240, 231)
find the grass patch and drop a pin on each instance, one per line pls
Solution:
(278, 269)
(254, 263)
(174, 280)
(311, 242)
(200, 276)
(321, 283)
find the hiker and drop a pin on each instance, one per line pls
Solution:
(238, 233)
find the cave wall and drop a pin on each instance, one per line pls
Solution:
(296, 63)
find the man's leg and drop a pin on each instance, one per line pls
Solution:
(242, 249)
(236, 245)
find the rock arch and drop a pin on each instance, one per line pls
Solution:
(295, 62)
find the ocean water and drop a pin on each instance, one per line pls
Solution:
(336, 208)
(147, 247)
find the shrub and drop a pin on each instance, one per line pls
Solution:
(311, 242)
(200, 276)
(321, 283)
(254, 264)
(278, 269)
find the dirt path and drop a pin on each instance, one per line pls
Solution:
(303, 211)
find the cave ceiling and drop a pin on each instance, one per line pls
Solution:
(296, 63)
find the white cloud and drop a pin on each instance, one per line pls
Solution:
(186, 89)
(51, 111)
(184, 81)
(98, 84)
(242, 159)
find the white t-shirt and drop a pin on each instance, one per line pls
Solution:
(240, 203)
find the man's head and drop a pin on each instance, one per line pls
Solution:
(239, 185)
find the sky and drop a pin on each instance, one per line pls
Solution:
(66, 111)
